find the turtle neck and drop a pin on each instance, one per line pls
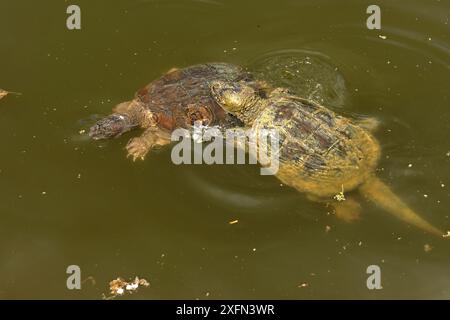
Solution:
(252, 108)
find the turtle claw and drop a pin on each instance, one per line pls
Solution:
(137, 149)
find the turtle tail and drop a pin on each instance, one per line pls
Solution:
(383, 196)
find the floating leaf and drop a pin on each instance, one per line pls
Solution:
(4, 93)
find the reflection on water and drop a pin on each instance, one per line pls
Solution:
(67, 200)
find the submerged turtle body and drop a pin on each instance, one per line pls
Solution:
(320, 153)
(176, 100)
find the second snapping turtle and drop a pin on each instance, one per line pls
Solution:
(320, 152)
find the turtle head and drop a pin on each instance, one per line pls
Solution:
(111, 127)
(233, 97)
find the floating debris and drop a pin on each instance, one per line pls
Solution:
(4, 93)
(340, 196)
(448, 154)
(303, 285)
(233, 222)
(382, 37)
(119, 286)
(446, 235)
(82, 131)
(91, 279)
(327, 229)
(427, 248)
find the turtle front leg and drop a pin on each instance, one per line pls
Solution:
(152, 137)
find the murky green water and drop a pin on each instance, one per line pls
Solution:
(66, 200)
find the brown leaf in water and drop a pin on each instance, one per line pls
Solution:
(120, 286)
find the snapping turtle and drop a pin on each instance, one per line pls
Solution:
(320, 153)
(176, 100)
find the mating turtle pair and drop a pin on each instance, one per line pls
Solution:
(321, 153)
